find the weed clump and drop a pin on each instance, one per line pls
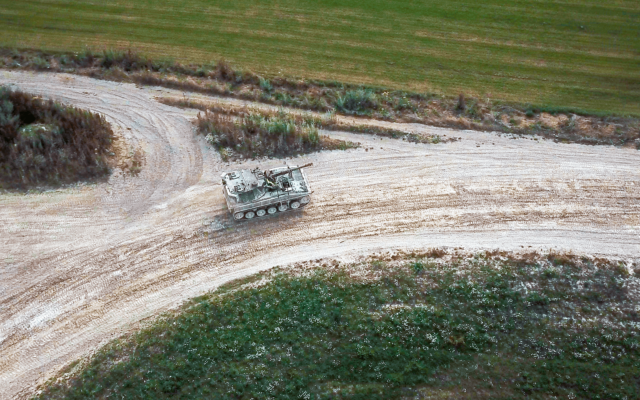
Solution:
(461, 106)
(361, 101)
(44, 142)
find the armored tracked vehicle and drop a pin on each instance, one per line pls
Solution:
(256, 193)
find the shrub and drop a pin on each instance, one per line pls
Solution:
(256, 134)
(356, 102)
(85, 58)
(461, 106)
(46, 142)
(265, 85)
(127, 60)
(417, 267)
(41, 63)
(529, 113)
(224, 71)
(202, 71)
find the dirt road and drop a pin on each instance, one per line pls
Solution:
(80, 266)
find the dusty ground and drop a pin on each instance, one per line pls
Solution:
(80, 266)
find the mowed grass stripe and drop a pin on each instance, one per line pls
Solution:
(581, 53)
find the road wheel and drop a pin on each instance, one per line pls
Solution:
(295, 205)
(272, 210)
(250, 215)
(261, 213)
(282, 207)
(304, 200)
(238, 215)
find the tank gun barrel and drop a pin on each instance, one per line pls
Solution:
(277, 174)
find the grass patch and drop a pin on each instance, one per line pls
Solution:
(462, 326)
(256, 134)
(44, 142)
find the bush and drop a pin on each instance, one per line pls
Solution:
(41, 63)
(46, 142)
(357, 102)
(256, 134)
(266, 85)
(127, 60)
(224, 71)
(417, 267)
(461, 106)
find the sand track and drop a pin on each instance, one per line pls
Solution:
(81, 266)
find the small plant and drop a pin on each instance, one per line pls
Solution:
(41, 63)
(417, 267)
(85, 58)
(621, 269)
(537, 299)
(283, 98)
(224, 70)
(202, 71)
(359, 101)
(266, 85)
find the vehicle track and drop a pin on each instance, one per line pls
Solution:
(80, 266)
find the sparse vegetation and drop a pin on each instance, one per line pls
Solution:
(484, 114)
(264, 134)
(489, 325)
(328, 121)
(46, 143)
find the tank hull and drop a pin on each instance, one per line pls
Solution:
(262, 200)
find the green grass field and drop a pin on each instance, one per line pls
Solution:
(570, 53)
(468, 329)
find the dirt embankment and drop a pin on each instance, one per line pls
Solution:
(81, 265)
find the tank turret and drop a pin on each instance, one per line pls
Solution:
(256, 193)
